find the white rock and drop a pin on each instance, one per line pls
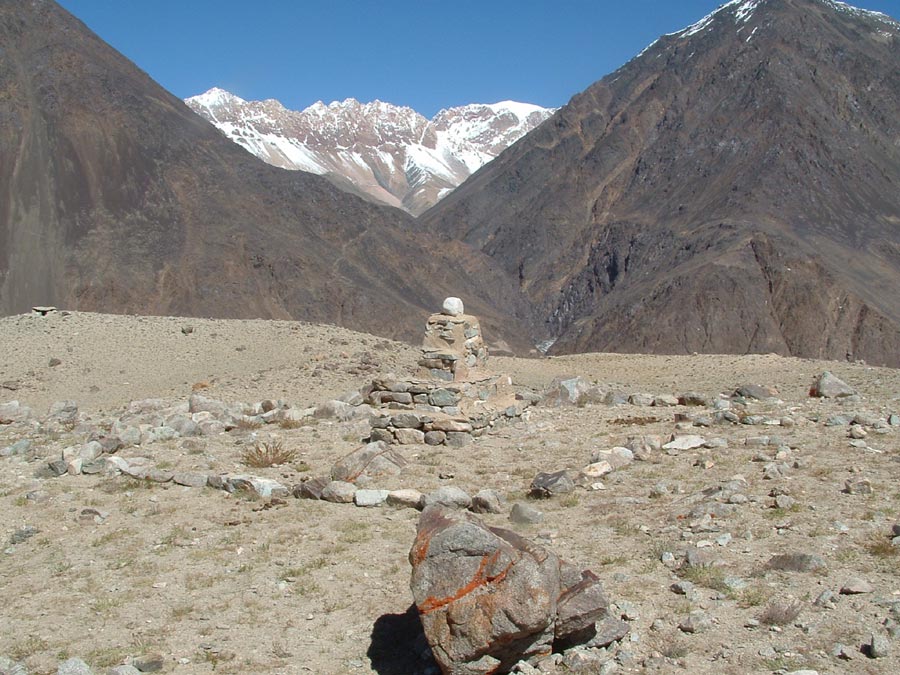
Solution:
(453, 306)
(685, 443)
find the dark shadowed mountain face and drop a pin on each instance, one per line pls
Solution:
(734, 188)
(115, 197)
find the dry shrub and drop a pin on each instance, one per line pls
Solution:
(781, 613)
(268, 453)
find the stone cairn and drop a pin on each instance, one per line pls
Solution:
(453, 398)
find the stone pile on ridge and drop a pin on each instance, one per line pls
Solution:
(454, 397)
(453, 346)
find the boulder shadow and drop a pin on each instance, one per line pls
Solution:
(398, 642)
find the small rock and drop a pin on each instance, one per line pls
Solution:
(10, 667)
(123, 670)
(682, 587)
(843, 652)
(190, 479)
(370, 497)
(696, 621)
(148, 663)
(796, 562)
(784, 501)
(408, 498)
(758, 392)
(450, 496)
(684, 443)
(525, 514)
(74, 667)
(339, 492)
(452, 307)
(825, 599)
(487, 501)
(858, 486)
(545, 485)
(856, 586)
(23, 534)
(879, 646)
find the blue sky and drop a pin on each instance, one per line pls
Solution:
(426, 54)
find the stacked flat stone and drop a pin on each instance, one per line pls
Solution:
(438, 412)
(454, 398)
(453, 349)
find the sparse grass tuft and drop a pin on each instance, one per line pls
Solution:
(781, 612)
(268, 453)
(883, 548)
(248, 424)
(709, 577)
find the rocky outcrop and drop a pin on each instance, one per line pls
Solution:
(488, 598)
(732, 189)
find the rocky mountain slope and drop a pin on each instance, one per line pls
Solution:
(734, 188)
(114, 196)
(388, 152)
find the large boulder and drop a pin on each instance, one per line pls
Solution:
(828, 385)
(489, 598)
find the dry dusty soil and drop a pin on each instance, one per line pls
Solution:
(115, 567)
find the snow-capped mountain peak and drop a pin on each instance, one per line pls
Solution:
(385, 151)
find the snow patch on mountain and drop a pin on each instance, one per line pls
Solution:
(389, 152)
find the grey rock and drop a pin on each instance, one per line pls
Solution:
(449, 496)
(190, 479)
(878, 647)
(856, 586)
(756, 391)
(858, 486)
(843, 652)
(311, 489)
(435, 437)
(443, 397)
(23, 534)
(828, 385)
(409, 436)
(784, 501)
(565, 391)
(406, 498)
(696, 621)
(458, 439)
(148, 663)
(682, 587)
(796, 562)
(641, 399)
(665, 401)
(609, 630)
(525, 514)
(688, 442)
(74, 667)
(12, 412)
(692, 398)
(546, 485)
(825, 599)
(10, 667)
(262, 487)
(894, 420)
(20, 447)
(63, 411)
(487, 501)
(374, 460)
(339, 492)
(370, 497)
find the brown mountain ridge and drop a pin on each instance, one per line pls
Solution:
(735, 188)
(115, 197)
